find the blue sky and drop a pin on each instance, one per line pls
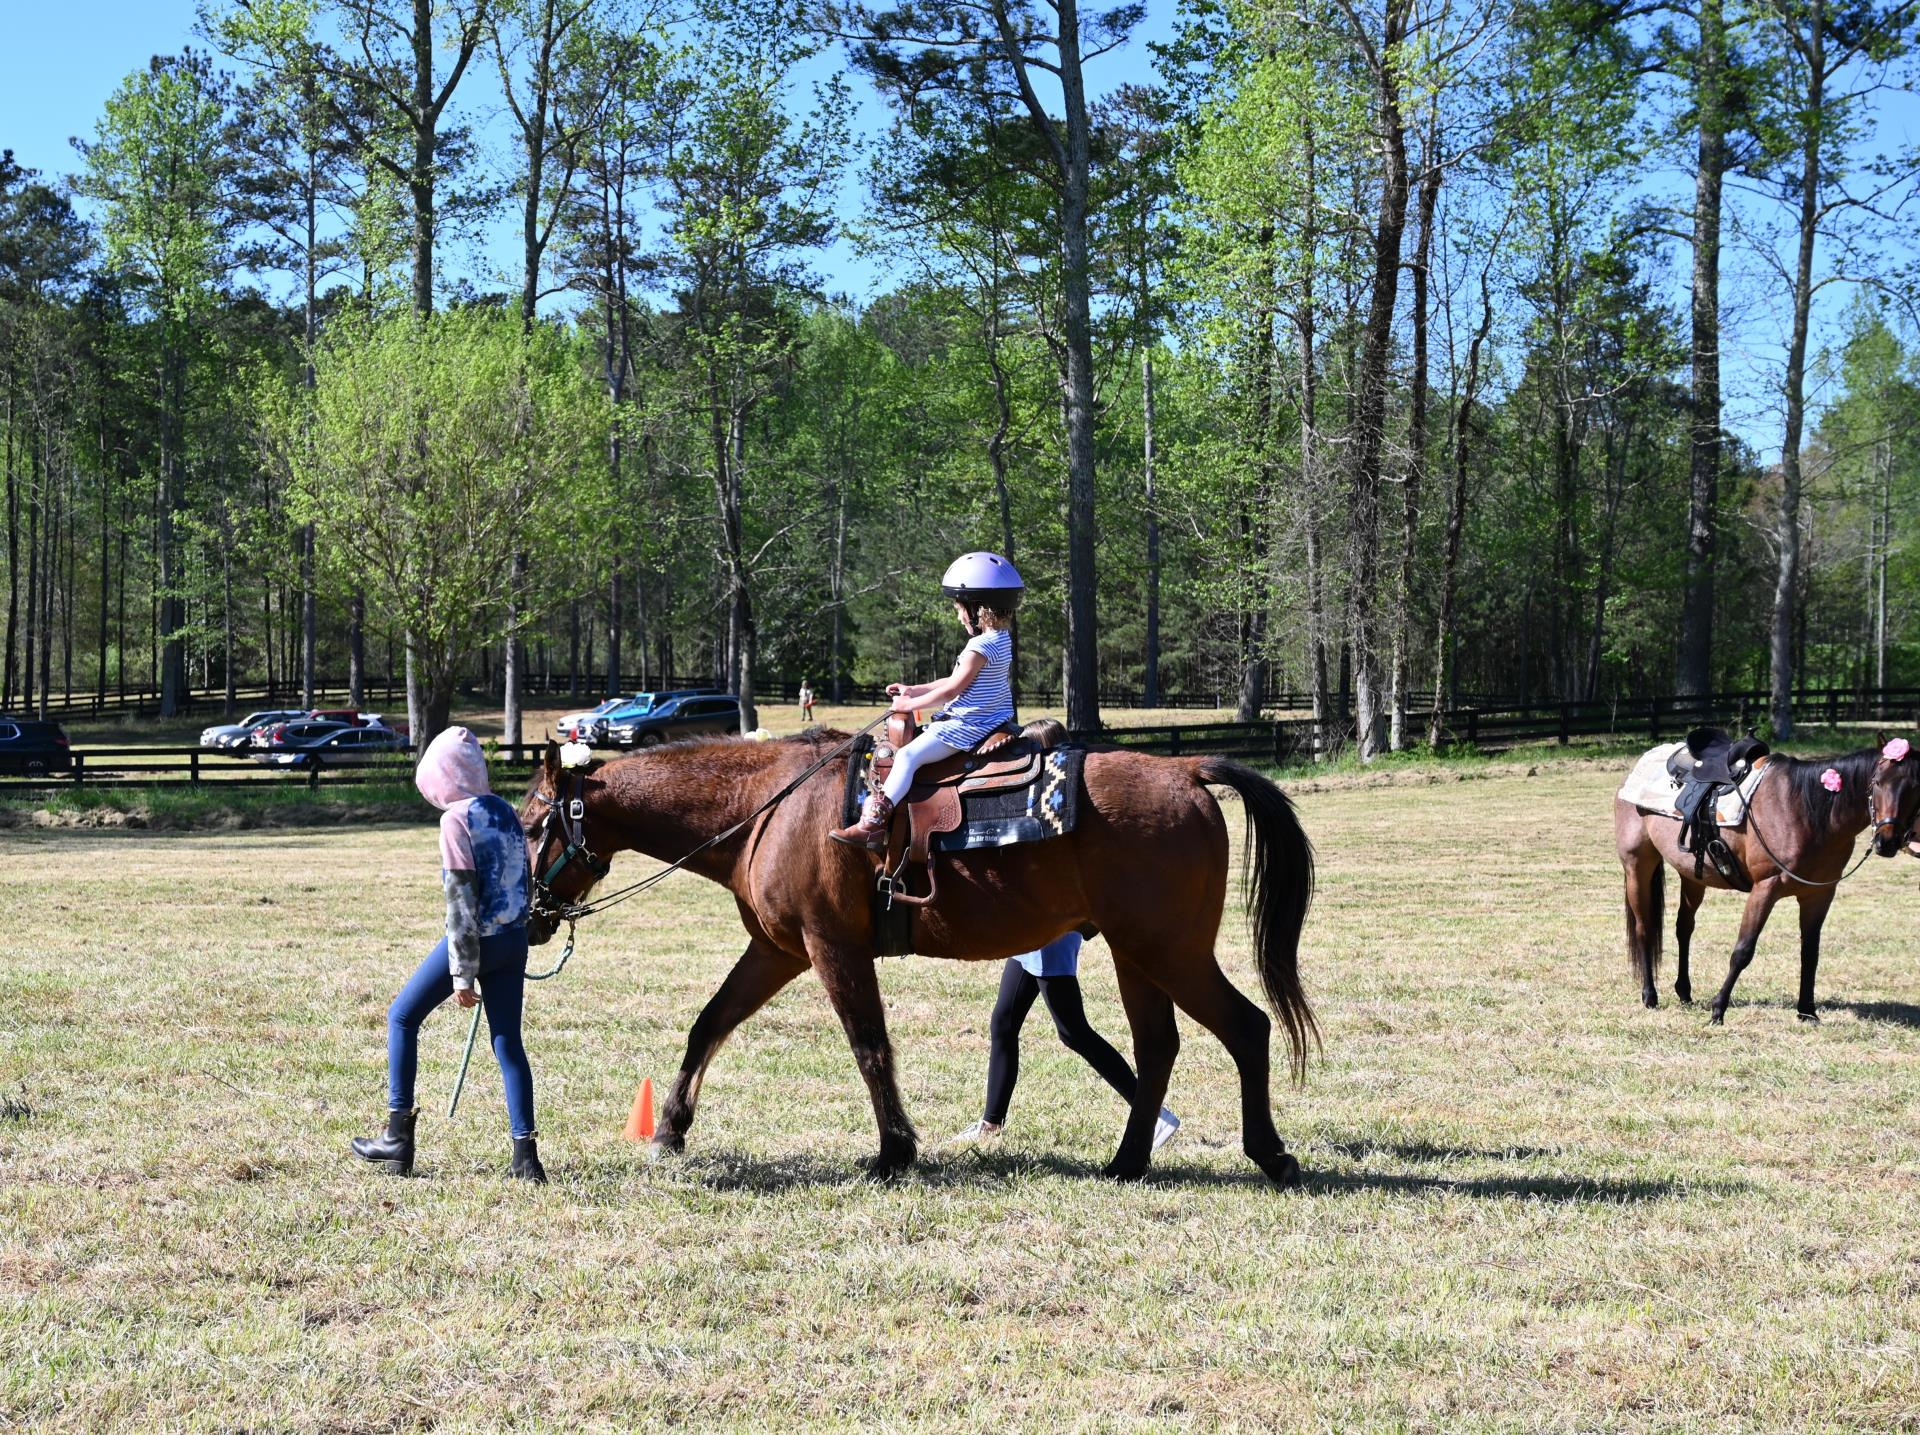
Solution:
(62, 61)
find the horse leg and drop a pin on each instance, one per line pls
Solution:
(1646, 890)
(1201, 990)
(763, 969)
(1692, 894)
(1813, 915)
(1759, 903)
(1156, 1041)
(854, 989)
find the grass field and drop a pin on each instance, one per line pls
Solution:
(1530, 1204)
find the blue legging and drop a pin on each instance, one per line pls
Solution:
(503, 984)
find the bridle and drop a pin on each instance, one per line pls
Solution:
(1890, 826)
(570, 816)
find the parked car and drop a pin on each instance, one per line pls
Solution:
(31, 748)
(228, 737)
(297, 733)
(349, 716)
(598, 732)
(572, 727)
(343, 747)
(677, 718)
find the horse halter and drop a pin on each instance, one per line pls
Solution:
(571, 815)
(1891, 825)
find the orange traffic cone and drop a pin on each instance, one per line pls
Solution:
(640, 1121)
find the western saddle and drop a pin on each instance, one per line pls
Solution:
(1711, 762)
(1010, 757)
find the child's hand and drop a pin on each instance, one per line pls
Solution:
(895, 690)
(466, 996)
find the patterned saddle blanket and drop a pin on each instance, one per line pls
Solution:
(1651, 787)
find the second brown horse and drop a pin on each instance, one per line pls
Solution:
(1797, 838)
(1147, 865)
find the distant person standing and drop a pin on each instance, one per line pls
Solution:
(806, 701)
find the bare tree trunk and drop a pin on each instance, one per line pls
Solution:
(226, 608)
(1152, 682)
(1457, 511)
(357, 651)
(1603, 584)
(1370, 414)
(1430, 180)
(1787, 534)
(513, 668)
(1693, 674)
(13, 557)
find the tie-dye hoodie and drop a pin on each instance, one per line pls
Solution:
(483, 851)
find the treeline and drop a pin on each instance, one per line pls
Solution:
(1348, 358)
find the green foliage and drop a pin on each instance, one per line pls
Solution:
(429, 452)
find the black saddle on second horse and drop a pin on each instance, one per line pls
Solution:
(1712, 762)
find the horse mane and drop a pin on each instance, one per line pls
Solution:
(1803, 780)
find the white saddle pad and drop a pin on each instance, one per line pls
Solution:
(1650, 788)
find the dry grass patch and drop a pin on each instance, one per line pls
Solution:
(1530, 1204)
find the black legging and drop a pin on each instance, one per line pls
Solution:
(1018, 988)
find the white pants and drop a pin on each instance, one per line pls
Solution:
(926, 748)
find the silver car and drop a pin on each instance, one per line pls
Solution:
(236, 736)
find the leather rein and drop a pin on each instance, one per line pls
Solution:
(570, 813)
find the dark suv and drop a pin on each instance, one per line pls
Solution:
(31, 748)
(677, 718)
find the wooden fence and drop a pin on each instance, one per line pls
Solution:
(1484, 729)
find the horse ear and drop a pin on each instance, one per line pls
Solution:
(550, 763)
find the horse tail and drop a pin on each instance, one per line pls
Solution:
(1645, 956)
(1279, 889)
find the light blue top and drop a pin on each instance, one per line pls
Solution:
(1059, 958)
(988, 700)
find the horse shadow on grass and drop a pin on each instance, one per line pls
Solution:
(738, 1171)
(1881, 1013)
(1884, 1013)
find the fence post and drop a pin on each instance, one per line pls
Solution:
(313, 777)
(1473, 728)
(1653, 720)
(193, 767)
(1173, 748)
(79, 769)
(1566, 724)
(1833, 707)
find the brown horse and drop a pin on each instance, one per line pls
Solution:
(1147, 865)
(1796, 842)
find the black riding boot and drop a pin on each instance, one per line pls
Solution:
(526, 1160)
(395, 1149)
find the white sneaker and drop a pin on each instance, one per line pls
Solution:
(1164, 1128)
(980, 1133)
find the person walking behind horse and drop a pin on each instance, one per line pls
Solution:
(482, 959)
(978, 694)
(806, 701)
(1052, 972)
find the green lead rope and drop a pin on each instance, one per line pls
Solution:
(473, 1027)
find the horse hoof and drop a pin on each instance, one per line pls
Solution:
(1683, 995)
(887, 1168)
(1719, 1018)
(665, 1146)
(1282, 1170)
(1812, 1016)
(1114, 1170)
(1649, 1001)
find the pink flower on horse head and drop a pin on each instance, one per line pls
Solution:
(1896, 749)
(1830, 779)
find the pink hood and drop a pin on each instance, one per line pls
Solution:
(453, 769)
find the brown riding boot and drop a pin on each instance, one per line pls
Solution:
(870, 831)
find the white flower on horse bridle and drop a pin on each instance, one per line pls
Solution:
(575, 754)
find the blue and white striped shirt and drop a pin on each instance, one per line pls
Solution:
(988, 701)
